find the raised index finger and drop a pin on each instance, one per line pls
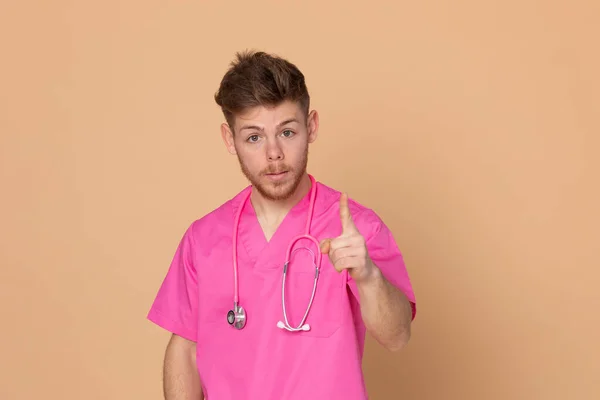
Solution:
(345, 216)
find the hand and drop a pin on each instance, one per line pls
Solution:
(349, 250)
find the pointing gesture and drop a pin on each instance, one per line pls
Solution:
(349, 250)
(348, 226)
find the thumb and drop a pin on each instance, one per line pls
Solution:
(325, 246)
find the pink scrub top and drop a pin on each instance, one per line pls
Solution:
(263, 361)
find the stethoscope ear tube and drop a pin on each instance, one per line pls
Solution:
(316, 264)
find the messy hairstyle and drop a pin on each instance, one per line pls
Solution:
(260, 79)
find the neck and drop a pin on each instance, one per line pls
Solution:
(273, 211)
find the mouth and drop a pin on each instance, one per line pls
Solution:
(277, 175)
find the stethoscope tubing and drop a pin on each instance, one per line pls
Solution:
(317, 265)
(239, 315)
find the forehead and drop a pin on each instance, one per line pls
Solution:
(263, 117)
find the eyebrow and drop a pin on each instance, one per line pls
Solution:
(279, 125)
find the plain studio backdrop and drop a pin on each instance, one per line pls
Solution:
(471, 127)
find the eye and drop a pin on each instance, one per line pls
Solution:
(287, 133)
(253, 138)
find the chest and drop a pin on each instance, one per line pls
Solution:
(270, 297)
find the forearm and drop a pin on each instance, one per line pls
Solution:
(180, 375)
(385, 310)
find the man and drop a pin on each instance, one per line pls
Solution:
(224, 294)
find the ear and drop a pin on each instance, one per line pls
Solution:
(313, 126)
(227, 136)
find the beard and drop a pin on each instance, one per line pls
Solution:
(277, 191)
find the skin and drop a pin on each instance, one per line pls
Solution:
(273, 140)
(180, 375)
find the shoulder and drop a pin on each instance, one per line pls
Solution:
(217, 222)
(368, 222)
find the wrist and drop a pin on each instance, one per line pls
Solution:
(373, 277)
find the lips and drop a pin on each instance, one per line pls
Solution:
(276, 175)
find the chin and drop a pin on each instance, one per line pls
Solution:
(278, 190)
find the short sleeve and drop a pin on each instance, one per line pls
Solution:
(385, 253)
(175, 305)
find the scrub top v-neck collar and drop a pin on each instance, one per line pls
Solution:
(270, 254)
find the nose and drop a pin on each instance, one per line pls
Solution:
(274, 151)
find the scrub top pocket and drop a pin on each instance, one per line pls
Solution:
(324, 316)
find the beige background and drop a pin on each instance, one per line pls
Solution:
(470, 127)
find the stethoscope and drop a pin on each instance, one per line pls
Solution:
(237, 316)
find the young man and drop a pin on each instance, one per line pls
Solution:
(235, 306)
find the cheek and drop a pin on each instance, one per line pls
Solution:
(251, 160)
(296, 152)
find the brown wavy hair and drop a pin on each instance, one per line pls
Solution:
(256, 78)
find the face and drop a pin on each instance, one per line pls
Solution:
(271, 144)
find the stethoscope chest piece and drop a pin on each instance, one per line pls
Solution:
(237, 317)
